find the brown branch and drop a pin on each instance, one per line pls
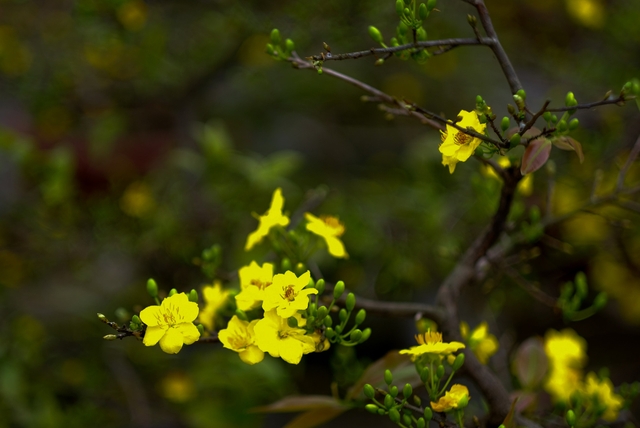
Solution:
(632, 157)
(618, 101)
(535, 117)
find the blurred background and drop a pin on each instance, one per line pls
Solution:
(134, 134)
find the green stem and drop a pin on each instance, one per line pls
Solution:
(447, 384)
(459, 418)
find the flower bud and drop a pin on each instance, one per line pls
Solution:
(350, 302)
(421, 423)
(285, 264)
(270, 49)
(320, 286)
(241, 314)
(356, 335)
(329, 332)
(424, 374)
(571, 418)
(440, 371)
(428, 413)
(407, 391)
(388, 402)
(136, 320)
(554, 118)
(360, 316)
(110, 337)
(581, 285)
(504, 125)
(431, 4)
(193, 296)
(458, 362)
(338, 290)
(342, 315)
(172, 292)
(366, 333)
(600, 301)
(573, 124)
(522, 94)
(292, 322)
(338, 329)
(321, 313)
(570, 100)
(406, 418)
(547, 116)
(402, 29)
(289, 45)
(472, 20)
(464, 400)
(328, 322)
(399, 7)
(562, 125)
(372, 408)
(421, 34)
(152, 288)
(511, 109)
(379, 61)
(275, 36)
(375, 34)
(423, 12)
(515, 140)
(393, 391)
(417, 401)
(102, 318)
(394, 415)
(200, 328)
(369, 392)
(388, 377)
(406, 11)
(300, 269)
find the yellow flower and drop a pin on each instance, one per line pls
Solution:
(239, 336)
(562, 382)
(482, 343)
(330, 229)
(525, 186)
(430, 343)
(273, 217)
(601, 391)
(171, 323)
(565, 348)
(321, 342)
(457, 146)
(288, 294)
(215, 297)
(275, 336)
(456, 398)
(253, 282)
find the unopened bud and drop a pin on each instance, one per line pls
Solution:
(570, 100)
(350, 302)
(388, 377)
(338, 290)
(571, 418)
(152, 288)
(360, 316)
(458, 362)
(379, 61)
(110, 337)
(375, 34)
(356, 335)
(515, 140)
(399, 7)
(320, 286)
(321, 313)
(394, 415)
(407, 391)
(366, 333)
(421, 34)
(102, 318)
(573, 124)
(275, 36)
(200, 328)
(428, 413)
(372, 408)
(393, 391)
(292, 322)
(193, 296)
(388, 402)
(172, 292)
(423, 12)
(440, 371)
(600, 301)
(369, 392)
(285, 264)
(289, 45)
(241, 314)
(504, 125)
(472, 20)
(431, 4)
(342, 315)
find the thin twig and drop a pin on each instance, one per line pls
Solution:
(535, 117)
(632, 157)
(618, 100)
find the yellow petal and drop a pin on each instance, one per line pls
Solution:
(153, 334)
(172, 341)
(189, 332)
(336, 247)
(251, 355)
(151, 315)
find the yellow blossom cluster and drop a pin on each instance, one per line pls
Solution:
(482, 343)
(431, 347)
(458, 146)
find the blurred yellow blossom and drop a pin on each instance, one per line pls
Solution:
(525, 186)
(287, 294)
(456, 145)
(133, 15)
(562, 382)
(177, 387)
(214, 297)
(430, 343)
(566, 352)
(601, 393)
(171, 323)
(137, 200)
(239, 336)
(590, 13)
(253, 282)
(482, 343)
(330, 229)
(275, 336)
(273, 217)
(456, 398)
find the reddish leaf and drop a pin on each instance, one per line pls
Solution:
(526, 400)
(509, 421)
(315, 417)
(530, 363)
(400, 365)
(297, 403)
(535, 155)
(568, 143)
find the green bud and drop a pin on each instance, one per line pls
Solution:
(519, 101)
(136, 319)
(511, 109)
(360, 316)
(241, 315)
(440, 371)
(600, 301)
(534, 214)
(200, 328)
(393, 391)
(515, 140)
(366, 333)
(320, 286)
(285, 264)
(554, 118)
(571, 418)
(388, 402)
(371, 408)
(381, 412)
(570, 100)
(328, 322)
(417, 401)
(329, 332)
(311, 319)
(375, 34)
(457, 363)
(338, 290)
(394, 42)
(479, 100)
(102, 318)
(463, 402)
(407, 391)
(312, 308)
(388, 377)
(406, 419)
(270, 49)
(152, 288)
(424, 374)
(275, 37)
(339, 328)
(546, 116)
(394, 415)
(321, 313)
(431, 4)
(356, 335)
(379, 61)
(399, 7)
(522, 94)
(369, 392)
(421, 423)
(319, 70)
(292, 322)
(289, 45)
(110, 337)
(423, 12)
(342, 315)
(350, 302)
(428, 413)
(581, 285)
(573, 124)
(504, 125)
(300, 269)
(172, 292)
(402, 29)
(562, 125)
(472, 20)
(406, 11)
(193, 296)
(421, 34)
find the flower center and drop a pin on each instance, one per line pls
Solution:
(334, 224)
(461, 138)
(429, 338)
(237, 342)
(261, 285)
(289, 293)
